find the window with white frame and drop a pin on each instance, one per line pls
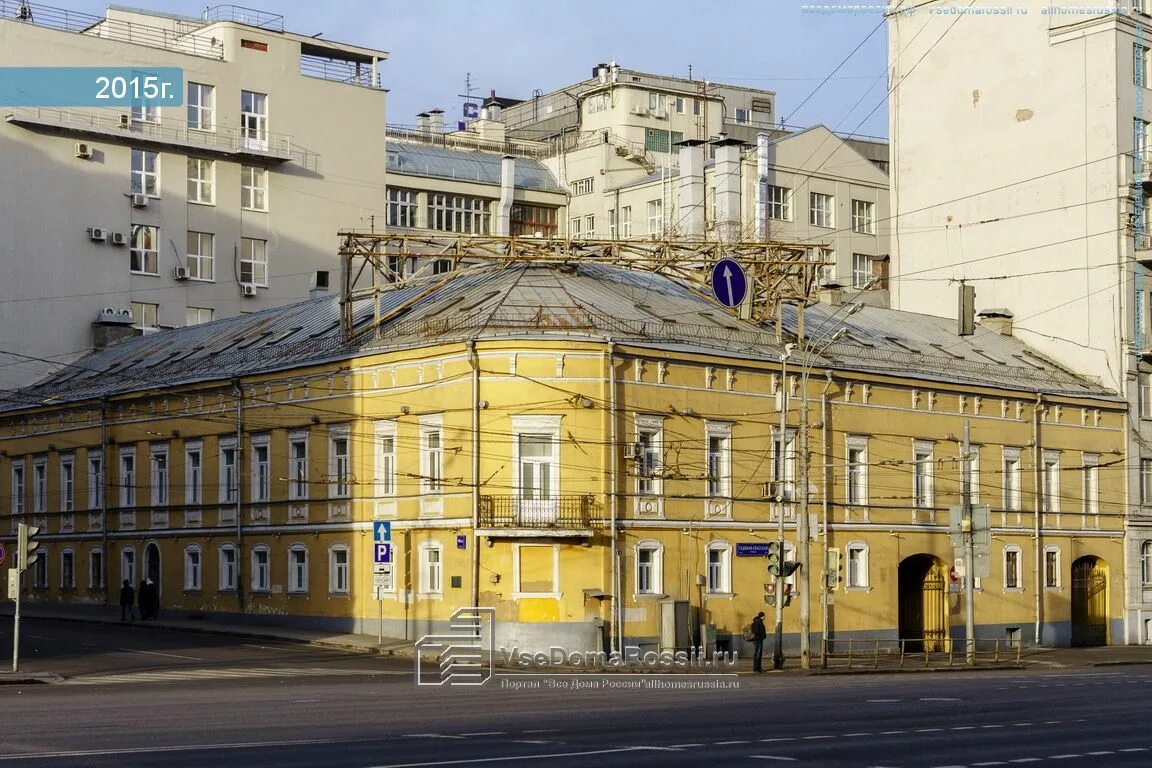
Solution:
(40, 569)
(261, 479)
(784, 464)
(598, 102)
(1012, 567)
(649, 568)
(198, 315)
(1146, 564)
(649, 455)
(779, 203)
(297, 568)
(1011, 474)
(655, 217)
(719, 559)
(254, 120)
(625, 221)
(144, 250)
(431, 454)
(201, 256)
(385, 458)
(537, 570)
(67, 483)
(193, 473)
(863, 217)
(338, 461)
(128, 477)
(1091, 483)
(144, 314)
(145, 113)
(128, 565)
(1146, 481)
(582, 186)
(261, 561)
(1052, 567)
(1145, 393)
(971, 471)
(201, 107)
(254, 188)
(338, 583)
(742, 115)
(18, 486)
(201, 181)
(430, 582)
(657, 104)
(229, 477)
(590, 226)
(922, 474)
(575, 227)
(820, 210)
(861, 269)
(159, 457)
(458, 213)
(227, 575)
(95, 479)
(298, 465)
(96, 569)
(1140, 140)
(145, 173)
(856, 576)
(401, 207)
(192, 568)
(67, 569)
(718, 459)
(1051, 477)
(856, 471)
(39, 486)
(254, 261)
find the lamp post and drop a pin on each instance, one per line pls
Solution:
(778, 645)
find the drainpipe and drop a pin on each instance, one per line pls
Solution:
(474, 359)
(1038, 459)
(103, 488)
(824, 509)
(613, 473)
(239, 394)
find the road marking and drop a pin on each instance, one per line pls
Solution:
(1134, 749)
(890, 733)
(169, 655)
(478, 760)
(725, 743)
(854, 735)
(431, 736)
(530, 741)
(1063, 757)
(541, 730)
(305, 701)
(928, 730)
(1101, 752)
(963, 728)
(813, 738)
(991, 726)
(881, 701)
(178, 675)
(177, 748)
(772, 757)
(1025, 760)
(488, 733)
(989, 762)
(782, 738)
(939, 698)
(685, 746)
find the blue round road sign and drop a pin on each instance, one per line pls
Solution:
(3, 554)
(729, 283)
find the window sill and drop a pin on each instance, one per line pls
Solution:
(430, 595)
(144, 274)
(339, 595)
(257, 591)
(254, 210)
(649, 596)
(718, 595)
(206, 203)
(229, 591)
(857, 589)
(1053, 589)
(192, 591)
(67, 589)
(297, 593)
(1015, 590)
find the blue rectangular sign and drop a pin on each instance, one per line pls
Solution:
(381, 531)
(752, 550)
(461, 542)
(382, 552)
(91, 87)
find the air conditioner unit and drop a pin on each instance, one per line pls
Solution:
(125, 121)
(83, 151)
(247, 289)
(639, 110)
(139, 201)
(99, 234)
(632, 450)
(181, 273)
(1143, 242)
(119, 238)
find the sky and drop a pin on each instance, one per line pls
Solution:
(517, 46)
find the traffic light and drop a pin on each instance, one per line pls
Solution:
(26, 546)
(775, 557)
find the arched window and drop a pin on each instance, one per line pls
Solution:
(261, 561)
(297, 568)
(193, 567)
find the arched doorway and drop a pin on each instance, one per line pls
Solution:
(1089, 601)
(923, 604)
(152, 567)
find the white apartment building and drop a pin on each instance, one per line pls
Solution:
(1021, 167)
(173, 216)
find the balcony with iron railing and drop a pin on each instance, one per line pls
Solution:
(252, 17)
(560, 515)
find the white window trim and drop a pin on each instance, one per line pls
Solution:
(98, 582)
(653, 424)
(224, 584)
(40, 485)
(856, 443)
(1059, 568)
(255, 570)
(536, 425)
(193, 578)
(296, 493)
(202, 183)
(518, 591)
(974, 473)
(340, 487)
(19, 490)
(433, 422)
(865, 581)
(721, 430)
(385, 483)
(71, 552)
(1146, 564)
(258, 494)
(1091, 468)
(1019, 568)
(229, 495)
(1051, 498)
(259, 178)
(128, 491)
(1011, 502)
(67, 490)
(424, 572)
(159, 487)
(920, 447)
(333, 588)
(726, 570)
(298, 586)
(657, 549)
(95, 479)
(193, 485)
(126, 573)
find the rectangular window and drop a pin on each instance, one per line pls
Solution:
(431, 457)
(39, 486)
(201, 259)
(40, 570)
(574, 228)
(681, 103)
(198, 315)
(719, 581)
(457, 213)
(297, 569)
(128, 565)
(145, 315)
(254, 261)
(96, 569)
(1051, 568)
(260, 567)
(201, 107)
(863, 217)
(626, 222)
(971, 470)
(229, 485)
(227, 568)
(742, 115)
(657, 104)
(254, 188)
(649, 455)
(145, 173)
(820, 210)
(430, 569)
(193, 474)
(861, 270)
(532, 221)
(18, 487)
(779, 202)
(95, 479)
(386, 458)
(1140, 142)
(784, 464)
(192, 569)
(401, 207)
(298, 467)
(582, 186)
(718, 460)
(145, 113)
(201, 181)
(537, 466)
(1011, 471)
(648, 569)
(338, 462)
(1012, 568)
(338, 570)
(67, 484)
(660, 140)
(922, 472)
(254, 120)
(1051, 477)
(857, 575)
(128, 479)
(590, 226)
(261, 491)
(857, 472)
(655, 217)
(1140, 63)
(144, 249)
(1146, 481)
(159, 477)
(598, 102)
(68, 569)
(1091, 490)
(1145, 385)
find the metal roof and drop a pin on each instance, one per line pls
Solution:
(466, 165)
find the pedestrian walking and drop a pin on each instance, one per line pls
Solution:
(127, 602)
(759, 633)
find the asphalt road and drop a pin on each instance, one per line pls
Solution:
(350, 711)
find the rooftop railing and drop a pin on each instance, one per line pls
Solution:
(351, 72)
(241, 15)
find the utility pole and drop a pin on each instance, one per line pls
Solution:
(969, 547)
(802, 531)
(778, 647)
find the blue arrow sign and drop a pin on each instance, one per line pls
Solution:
(382, 552)
(729, 283)
(382, 531)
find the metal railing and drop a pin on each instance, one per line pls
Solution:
(456, 141)
(571, 511)
(337, 70)
(253, 17)
(927, 653)
(182, 38)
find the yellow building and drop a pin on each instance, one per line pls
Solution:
(587, 449)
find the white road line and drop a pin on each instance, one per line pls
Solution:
(1134, 749)
(1064, 757)
(1025, 760)
(305, 701)
(991, 726)
(881, 701)
(813, 738)
(431, 736)
(157, 653)
(1101, 752)
(988, 762)
(488, 733)
(685, 746)
(539, 730)
(530, 741)
(938, 698)
(854, 735)
(177, 748)
(478, 760)
(725, 743)
(772, 757)
(890, 733)
(928, 730)
(781, 738)
(963, 728)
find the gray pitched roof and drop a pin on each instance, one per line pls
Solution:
(466, 165)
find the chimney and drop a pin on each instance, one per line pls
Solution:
(491, 110)
(319, 284)
(113, 326)
(436, 120)
(832, 295)
(692, 187)
(507, 192)
(880, 266)
(726, 172)
(998, 320)
(422, 123)
(761, 186)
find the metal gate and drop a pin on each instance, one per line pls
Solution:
(935, 611)
(1089, 602)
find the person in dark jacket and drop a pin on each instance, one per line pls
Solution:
(759, 633)
(127, 602)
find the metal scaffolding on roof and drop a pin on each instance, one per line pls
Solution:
(373, 263)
